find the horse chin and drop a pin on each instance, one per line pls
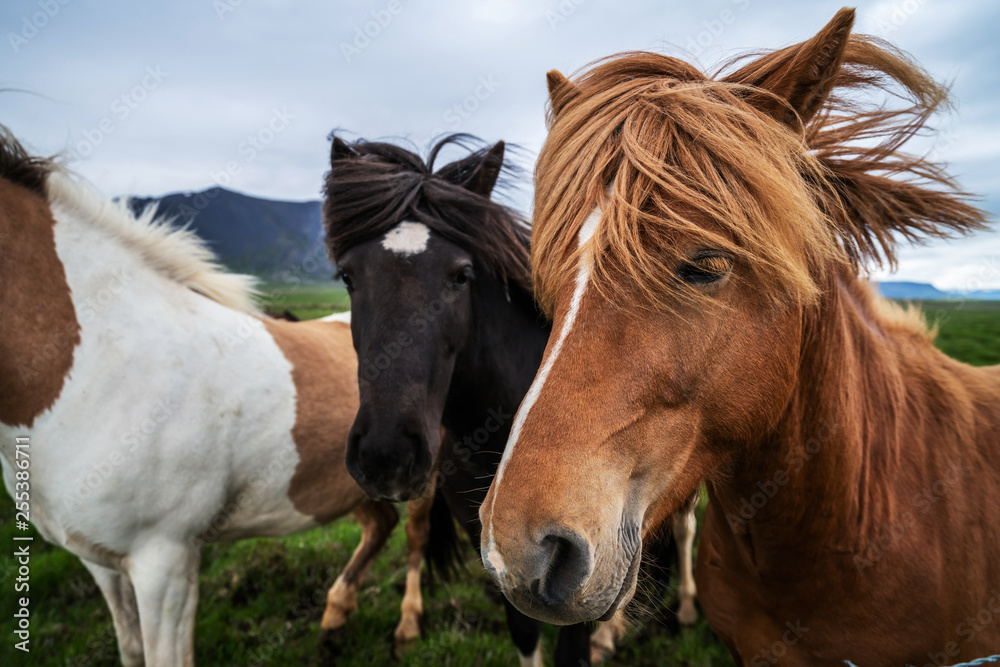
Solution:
(418, 489)
(589, 607)
(394, 494)
(627, 590)
(400, 497)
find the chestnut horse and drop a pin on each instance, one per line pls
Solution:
(698, 242)
(147, 408)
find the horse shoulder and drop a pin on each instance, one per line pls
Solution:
(324, 370)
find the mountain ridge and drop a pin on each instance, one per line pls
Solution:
(283, 240)
(914, 291)
(269, 238)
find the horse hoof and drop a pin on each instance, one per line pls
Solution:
(407, 634)
(687, 614)
(404, 646)
(599, 654)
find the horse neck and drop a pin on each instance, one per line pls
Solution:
(496, 367)
(862, 430)
(129, 309)
(108, 278)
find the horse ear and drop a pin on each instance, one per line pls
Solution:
(485, 175)
(340, 150)
(561, 91)
(802, 75)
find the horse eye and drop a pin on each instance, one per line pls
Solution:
(346, 279)
(462, 278)
(705, 270)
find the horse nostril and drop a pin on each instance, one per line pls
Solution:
(353, 458)
(416, 442)
(567, 564)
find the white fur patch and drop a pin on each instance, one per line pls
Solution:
(533, 660)
(582, 279)
(495, 559)
(407, 238)
(344, 317)
(175, 252)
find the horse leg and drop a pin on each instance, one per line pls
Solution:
(606, 637)
(164, 575)
(573, 646)
(418, 527)
(525, 633)
(377, 519)
(120, 596)
(685, 528)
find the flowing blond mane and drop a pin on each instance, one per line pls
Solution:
(177, 253)
(691, 158)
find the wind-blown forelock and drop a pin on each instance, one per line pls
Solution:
(674, 157)
(382, 185)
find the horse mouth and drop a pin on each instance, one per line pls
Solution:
(401, 497)
(627, 588)
(378, 494)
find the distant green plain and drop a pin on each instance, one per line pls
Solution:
(966, 330)
(307, 301)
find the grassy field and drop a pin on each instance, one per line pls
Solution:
(261, 600)
(967, 330)
(307, 301)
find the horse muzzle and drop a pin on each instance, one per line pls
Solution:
(557, 579)
(390, 462)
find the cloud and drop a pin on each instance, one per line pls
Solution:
(416, 68)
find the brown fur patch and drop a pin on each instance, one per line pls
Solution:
(38, 326)
(325, 372)
(95, 553)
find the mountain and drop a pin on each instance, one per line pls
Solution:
(269, 238)
(915, 291)
(926, 292)
(281, 240)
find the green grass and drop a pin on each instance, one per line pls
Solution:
(261, 600)
(306, 301)
(967, 330)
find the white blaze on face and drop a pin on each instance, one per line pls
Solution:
(407, 238)
(582, 278)
(494, 557)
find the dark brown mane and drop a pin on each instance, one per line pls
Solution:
(382, 185)
(692, 156)
(18, 166)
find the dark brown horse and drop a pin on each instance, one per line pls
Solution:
(698, 242)
(448, 335)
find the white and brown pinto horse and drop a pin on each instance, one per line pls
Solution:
(162, 411)
(698, 242)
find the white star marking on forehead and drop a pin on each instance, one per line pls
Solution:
(582, 278)
(407, 238)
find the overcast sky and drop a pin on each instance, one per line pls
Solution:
(149, 100)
